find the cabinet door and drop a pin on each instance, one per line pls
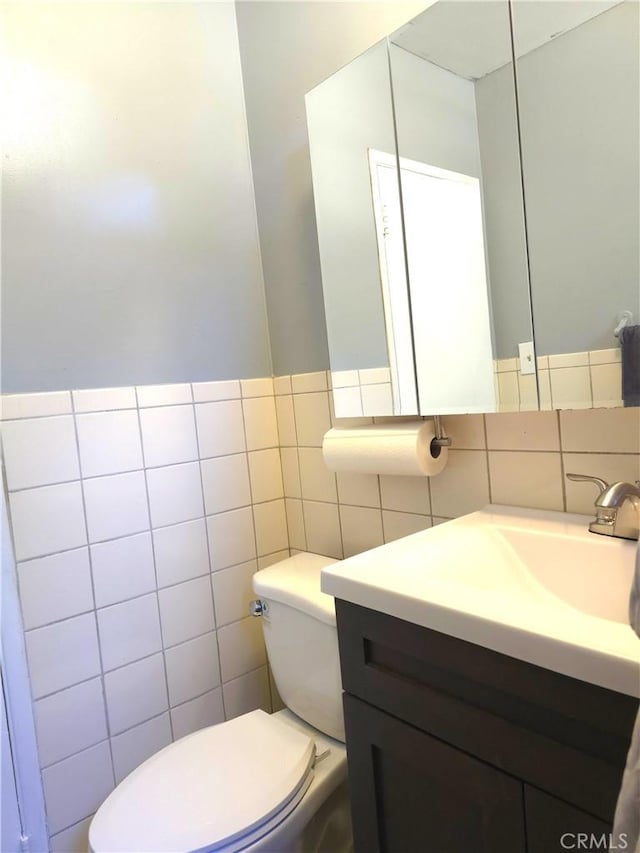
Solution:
(553, 826)
(411, 793)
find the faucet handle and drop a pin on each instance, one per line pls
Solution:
(585, 478)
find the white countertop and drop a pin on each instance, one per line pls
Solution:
(530, 584)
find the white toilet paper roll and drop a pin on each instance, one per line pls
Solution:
(404, 449)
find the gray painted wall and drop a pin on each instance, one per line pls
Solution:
(503, 211)
(347, 115)
(130, 247)
(286, 50)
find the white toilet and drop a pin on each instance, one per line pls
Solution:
(261, 783)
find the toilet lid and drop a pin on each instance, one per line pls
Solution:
(219, 788)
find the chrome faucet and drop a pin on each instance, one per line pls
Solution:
(609, 520)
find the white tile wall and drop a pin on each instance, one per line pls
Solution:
(225, 481)
(186, 611)
(517, 458)
(193, 668)
(220, 428)
(39, 451)
(232, 590)
(322, 528)
(181, 552)
(116, 506)
(247, 692)
(175, 494)
(122, 569)
(286, 421)
(47, 520)
(134, 746)
(271, 527)
(231, 538)
(361, 529)
(358, 489)
(241, 647)
(361, 392)
(168, 435)
(76, 786)
(398, 524)
(36, 405)
(265, 469)
(135, 693)
(312, 418)
(304, 383)
(163, 395)
(134, 516)
(205, 710)
(405, 494)
(55, 588)
(205, 392)
(62, 654)
(109, 442)
(104, 399)
(70, 721)
(262, 387)
(295, 524)
(143, 636)
(75, 839)
(317, 481)
(260, 423)
(575, 380)
(129, 631)
(523, 479)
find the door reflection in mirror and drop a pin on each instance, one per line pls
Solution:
(447, 283)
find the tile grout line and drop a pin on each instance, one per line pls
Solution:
(209, 552)
(153, 557)
(93, 593)
(488, 461)
(123, 472)
(297, 452)
(563, 482)
(139, 596)
(630, 455)
(253, 517)
(135, 661)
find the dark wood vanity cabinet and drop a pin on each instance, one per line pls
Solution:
(453, 748)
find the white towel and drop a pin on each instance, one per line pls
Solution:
(626, 823)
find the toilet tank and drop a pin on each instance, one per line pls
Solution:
(299, 625)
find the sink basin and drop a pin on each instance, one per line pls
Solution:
(593, 575)
(531, 584)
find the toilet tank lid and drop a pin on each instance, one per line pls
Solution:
(296, 582)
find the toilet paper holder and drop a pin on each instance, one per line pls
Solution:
(440, 440)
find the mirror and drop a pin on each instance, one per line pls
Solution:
(430, 154)
(423, 315)
(578, 95)
(463, 210)
(349, 115)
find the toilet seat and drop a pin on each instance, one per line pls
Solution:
(222, 788)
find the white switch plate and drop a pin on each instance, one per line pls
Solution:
(527, 358)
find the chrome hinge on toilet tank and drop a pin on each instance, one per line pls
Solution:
(258, 608)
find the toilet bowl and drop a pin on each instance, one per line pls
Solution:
(260, 783)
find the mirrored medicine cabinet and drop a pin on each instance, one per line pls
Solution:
(475, 178)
